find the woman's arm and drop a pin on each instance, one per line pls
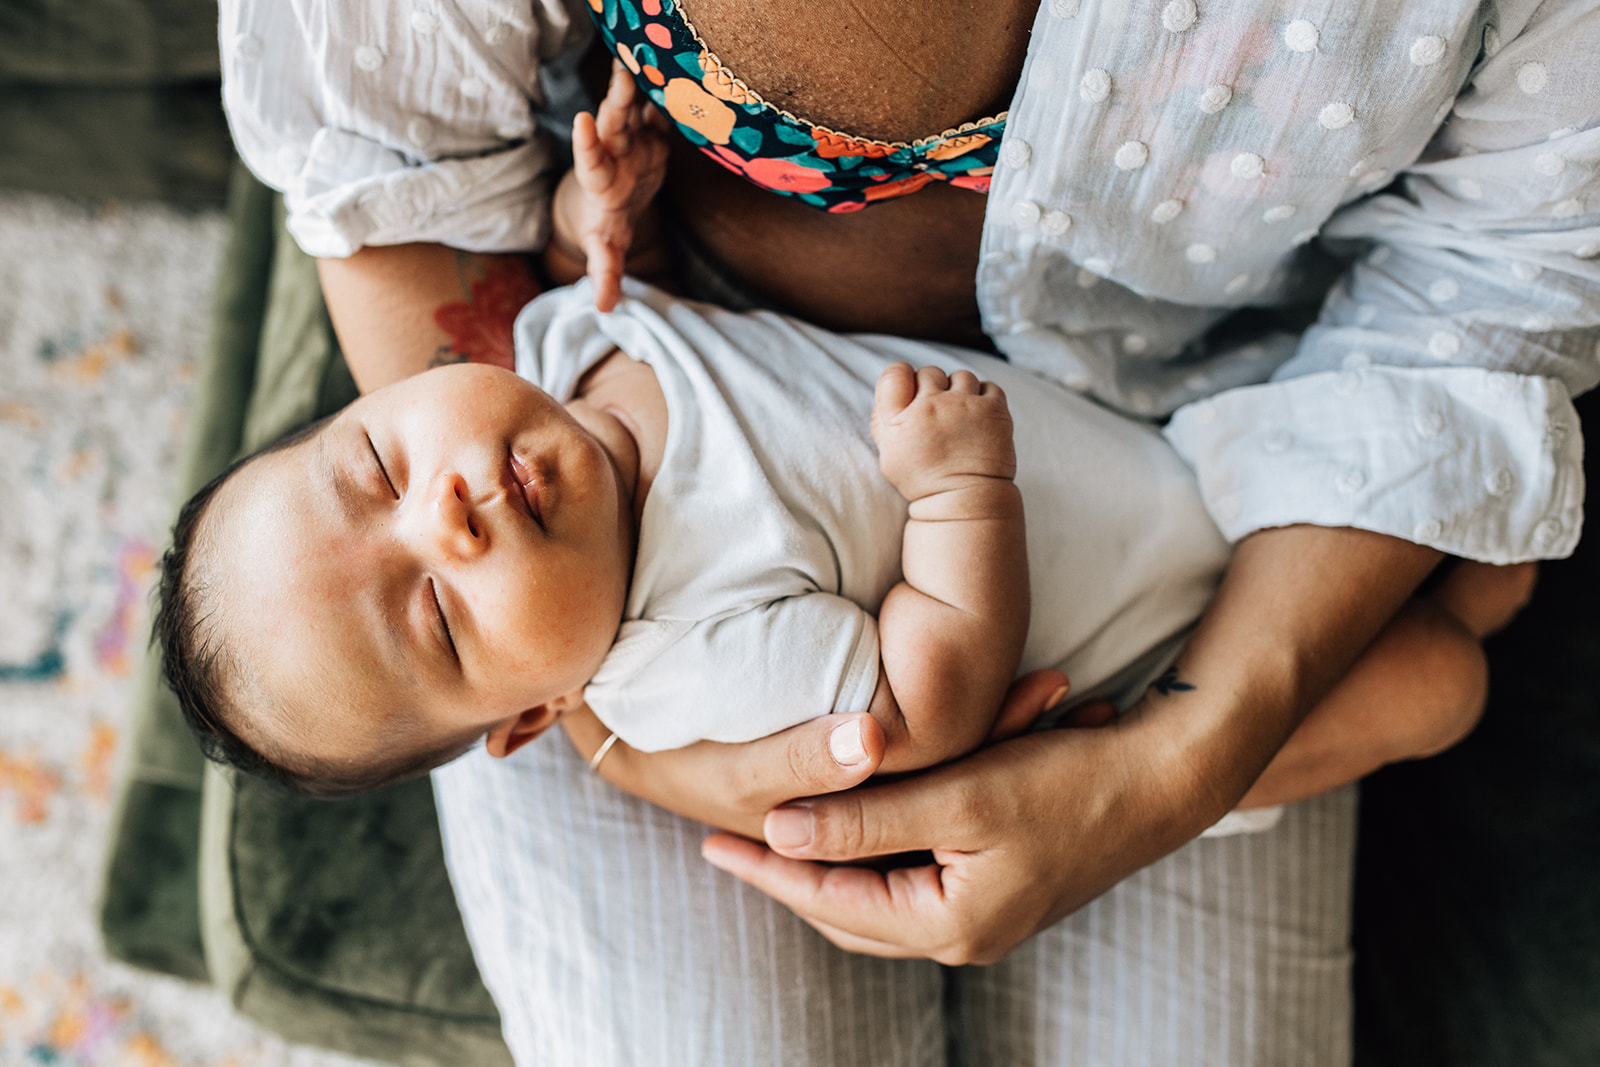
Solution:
(401, 309)
(1031, 829)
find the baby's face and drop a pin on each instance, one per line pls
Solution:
(447, 554)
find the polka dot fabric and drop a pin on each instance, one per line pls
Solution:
(733, 124)
(1212, 155)
(386, 123)
(1162, 163)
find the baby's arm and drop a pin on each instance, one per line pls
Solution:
(603, 217)
(951, 632)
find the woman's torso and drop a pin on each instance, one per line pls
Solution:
(887, 69)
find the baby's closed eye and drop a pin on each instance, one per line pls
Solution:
(383, 471)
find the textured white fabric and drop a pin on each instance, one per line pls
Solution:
(1199, 159)
(384, 123)
(770, 537)
(608, 942)
(1164, 166)
(1245, 821)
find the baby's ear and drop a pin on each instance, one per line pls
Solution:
(518, 730)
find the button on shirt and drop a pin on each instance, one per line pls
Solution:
(1421, 177)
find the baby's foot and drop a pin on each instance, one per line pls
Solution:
(1485, 597)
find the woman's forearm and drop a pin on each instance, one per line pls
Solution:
(1299, 604)
(1028, 830)
(401, 309)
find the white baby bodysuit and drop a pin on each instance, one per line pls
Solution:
(770, 538)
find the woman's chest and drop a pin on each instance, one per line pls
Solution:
(887, 69)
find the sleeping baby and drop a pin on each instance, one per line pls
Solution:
(710, 525)
(702, 525)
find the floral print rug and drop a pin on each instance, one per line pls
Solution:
(103, 312)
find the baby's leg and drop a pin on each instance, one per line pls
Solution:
(1416, 691)
(1485, 598)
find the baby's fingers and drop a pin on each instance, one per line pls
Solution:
(595, 168)
(615, 118)
(964, 381)
(932, 380)
(897, 385)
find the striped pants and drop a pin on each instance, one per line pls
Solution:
(606, 940)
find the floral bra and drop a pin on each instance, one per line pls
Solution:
(777, 150)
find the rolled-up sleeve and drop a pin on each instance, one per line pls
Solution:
(390, 123)
(1432, 399)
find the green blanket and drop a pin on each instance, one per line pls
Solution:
(112, 98)
(331, 923)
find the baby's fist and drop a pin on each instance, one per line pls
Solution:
(938, 432)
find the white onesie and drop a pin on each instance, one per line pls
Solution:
(770, 537)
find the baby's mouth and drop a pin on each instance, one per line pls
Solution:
(530, 483)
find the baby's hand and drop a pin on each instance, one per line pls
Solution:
(937, 433)
(619, 161)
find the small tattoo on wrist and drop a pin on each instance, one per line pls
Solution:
(1169, 683)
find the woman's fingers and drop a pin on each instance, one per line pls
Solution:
(897, 914)
(919, 812)
(1028, 698)
(822, 755)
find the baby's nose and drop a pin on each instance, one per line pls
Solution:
(451, 523)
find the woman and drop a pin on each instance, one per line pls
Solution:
(1158, 166)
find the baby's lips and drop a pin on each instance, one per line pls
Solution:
(531, 485)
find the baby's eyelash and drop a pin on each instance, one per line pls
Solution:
(381, 468)
(443, 622)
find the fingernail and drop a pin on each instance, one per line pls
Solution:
(789, 827)
(1056, 697)
(724, 859)
(846, 746)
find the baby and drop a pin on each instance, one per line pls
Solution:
(686, 525)
(455, 556)
(677, 516)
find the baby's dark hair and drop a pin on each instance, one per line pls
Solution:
(201, 669)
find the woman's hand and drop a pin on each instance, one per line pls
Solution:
(734, 786)
(1022, 833)
(1028, 830)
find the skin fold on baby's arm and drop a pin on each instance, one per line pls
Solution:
(951, 632)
